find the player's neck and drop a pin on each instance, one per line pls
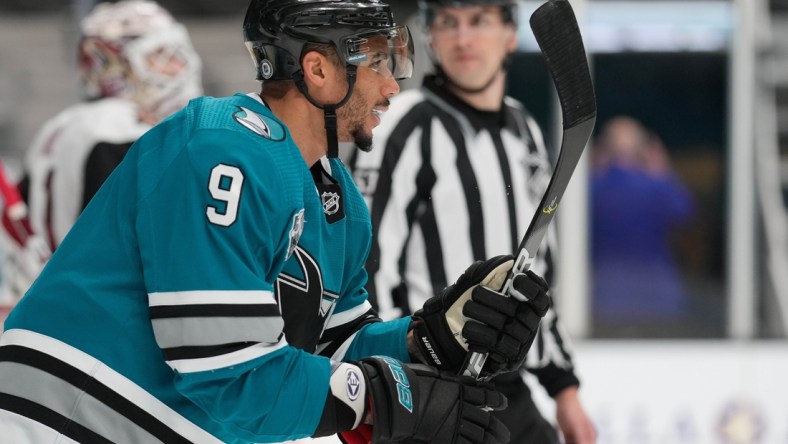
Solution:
(305, 123)
(489, 99)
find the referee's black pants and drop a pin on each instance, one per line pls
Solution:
(522, 417)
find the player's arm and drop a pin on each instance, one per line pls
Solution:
(354, 330)
(214, 235)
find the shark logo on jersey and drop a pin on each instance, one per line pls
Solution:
(295, 232)
(259, 124)
(305, 303)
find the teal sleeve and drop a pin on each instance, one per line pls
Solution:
(279, 397)
(381, 338)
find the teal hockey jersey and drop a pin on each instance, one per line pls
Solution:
(200, 295)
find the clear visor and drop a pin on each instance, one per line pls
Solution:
(388, 52)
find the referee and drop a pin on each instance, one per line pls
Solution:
(456, 175)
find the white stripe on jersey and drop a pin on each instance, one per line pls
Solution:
(344, 317)
(393, 226)
(339, 355)
(226, 360)
(109, 377)
(452, 219)
(210, 297)
(19, 429)
(495, 207)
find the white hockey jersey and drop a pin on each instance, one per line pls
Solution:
(71, 156)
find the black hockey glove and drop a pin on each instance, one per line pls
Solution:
(413, 403)
(504, 327)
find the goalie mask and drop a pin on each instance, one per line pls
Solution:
(134, 49)
(276, 32)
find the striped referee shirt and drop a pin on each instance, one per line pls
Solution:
(446, 185)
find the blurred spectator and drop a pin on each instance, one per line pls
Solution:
(636, 203)
(137, 65)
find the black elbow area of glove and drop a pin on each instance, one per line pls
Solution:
(390, 386)
(337, 417)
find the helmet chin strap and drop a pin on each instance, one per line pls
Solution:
(329, 110)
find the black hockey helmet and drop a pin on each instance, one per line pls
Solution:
(428, 7)
(275, 32)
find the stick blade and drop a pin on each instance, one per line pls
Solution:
(555, 28)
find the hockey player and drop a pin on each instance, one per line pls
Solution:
(213, 289)
(137, 66)
(458, 171)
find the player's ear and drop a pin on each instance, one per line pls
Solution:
(317, 68)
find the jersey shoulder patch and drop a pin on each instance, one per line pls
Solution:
(259, 124)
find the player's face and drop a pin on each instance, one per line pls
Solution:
(471, 43)
(374, 87)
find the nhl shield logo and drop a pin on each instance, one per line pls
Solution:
(331, 199)
(330, 202)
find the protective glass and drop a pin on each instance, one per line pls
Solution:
(388, 52)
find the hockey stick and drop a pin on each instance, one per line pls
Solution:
(555, 27)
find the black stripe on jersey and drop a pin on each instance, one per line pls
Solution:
(49, 213)
(506, 175)
(470, 185)
(205, 351)
(84, 382)
(510, 117)
(50, 418)
(434, 253)
(548, 259)
(336, 336)
(427, 221)
(214, 311)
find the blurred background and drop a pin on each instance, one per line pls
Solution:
(674, 267)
